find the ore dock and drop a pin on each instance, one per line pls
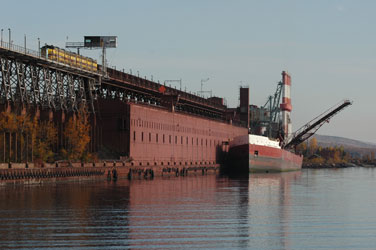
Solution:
(151, 128)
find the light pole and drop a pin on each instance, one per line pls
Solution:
(202, 83)
(39, 46)
(10, 39)
(2, 37)
(25, 42)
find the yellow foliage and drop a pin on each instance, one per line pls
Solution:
(301, 148)
(40, 138)
(8, 122)
(77, 136)
(337, 157)
(44, 140)
(317, 160)
(328, 155)
(313, 145)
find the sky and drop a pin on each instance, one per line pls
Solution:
(328, 47)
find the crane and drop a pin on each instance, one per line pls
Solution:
(273, 103)
(311, 127)
(273, 106)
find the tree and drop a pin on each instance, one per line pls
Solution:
(44, 139)
(336, 156)
(313, 146)
(77, 137)
(8, 126)
(8, 122)
(302, 148)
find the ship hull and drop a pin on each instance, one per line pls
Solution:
(263, 159)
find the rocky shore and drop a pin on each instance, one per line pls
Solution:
(337, 165)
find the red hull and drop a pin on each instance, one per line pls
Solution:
(257, 158)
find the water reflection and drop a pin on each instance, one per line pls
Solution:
(62, 216)
(312, 209)
(197, 211)
(269, 208)
(206, 211)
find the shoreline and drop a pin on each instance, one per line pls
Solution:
(30, 173)
(336, 165)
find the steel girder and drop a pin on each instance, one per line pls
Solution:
(28, 83)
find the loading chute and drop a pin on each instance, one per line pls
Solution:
(311, 127)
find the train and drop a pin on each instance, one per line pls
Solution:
(75, 60)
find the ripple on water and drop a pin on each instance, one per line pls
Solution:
(312, 209)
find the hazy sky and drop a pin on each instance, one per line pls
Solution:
(328, 46)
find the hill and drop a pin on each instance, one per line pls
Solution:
(325, 140)
(355, 147)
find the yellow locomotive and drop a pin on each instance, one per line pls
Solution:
(70, 58)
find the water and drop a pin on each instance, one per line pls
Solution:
(311, 209)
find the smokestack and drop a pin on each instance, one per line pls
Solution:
(286, 105)
(244, 106)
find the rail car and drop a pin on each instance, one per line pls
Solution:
(70, 58)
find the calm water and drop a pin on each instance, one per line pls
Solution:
(312, 209)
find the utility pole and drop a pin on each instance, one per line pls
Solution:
(104, 59)
(10, 39)
(202, 82)
(25, 42)
(202, 85)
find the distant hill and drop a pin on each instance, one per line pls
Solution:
(355, 147)
(326, 140)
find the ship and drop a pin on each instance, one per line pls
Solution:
(262, 149)
(259, 154)
(270, 145)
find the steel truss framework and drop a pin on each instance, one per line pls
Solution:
(29, 83)
(124, 94)
(32, 80)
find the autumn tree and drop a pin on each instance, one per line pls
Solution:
(313, 146)
(318, 154)
(25, 131)
(302, 148)
(337, 156)
(77, 137)
(8, 126)
(44, 140)
(8, 121)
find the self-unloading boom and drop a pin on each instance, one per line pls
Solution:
(311, 127)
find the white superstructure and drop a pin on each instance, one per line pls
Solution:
(255, 140)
